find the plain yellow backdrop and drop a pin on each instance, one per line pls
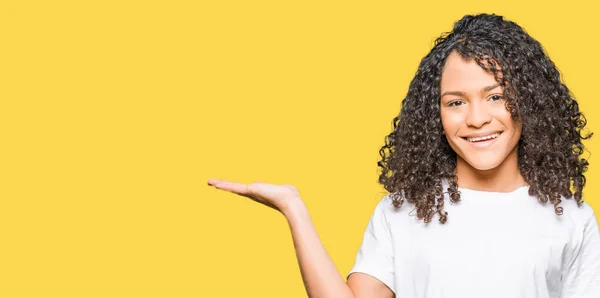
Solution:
(114, 114)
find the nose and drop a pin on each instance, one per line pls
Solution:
(478, 115)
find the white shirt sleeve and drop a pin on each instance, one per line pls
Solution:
(582, 278)
(376, 255)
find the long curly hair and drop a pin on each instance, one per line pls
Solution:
(417, 158)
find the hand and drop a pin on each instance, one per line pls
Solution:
(278, 197)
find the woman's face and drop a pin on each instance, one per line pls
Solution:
(474, 117)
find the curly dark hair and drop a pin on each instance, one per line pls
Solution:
(417, 158)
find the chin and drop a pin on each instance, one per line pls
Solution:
(483, 166)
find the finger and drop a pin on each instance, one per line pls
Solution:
(244, 190)
(215, 181)
(234, 187)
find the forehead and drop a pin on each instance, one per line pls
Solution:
(460, 74)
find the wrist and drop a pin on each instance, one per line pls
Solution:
(293, 207)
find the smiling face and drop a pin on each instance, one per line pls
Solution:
(474, 117)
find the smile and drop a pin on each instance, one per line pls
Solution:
(484, 138)
(482, 142)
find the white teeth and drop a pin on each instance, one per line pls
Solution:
(492, 136)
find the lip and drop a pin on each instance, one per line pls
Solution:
(481, 144)
(481, 134)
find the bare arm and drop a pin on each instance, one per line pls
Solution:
(321, 277)
(364, 285)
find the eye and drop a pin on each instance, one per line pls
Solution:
(455, 103)
(496, 97)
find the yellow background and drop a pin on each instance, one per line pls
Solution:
(114, 114)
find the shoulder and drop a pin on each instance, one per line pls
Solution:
(574, 220)
(386, 202)
(386, 205)
(577, 214)
(398, 218)
(384, 209)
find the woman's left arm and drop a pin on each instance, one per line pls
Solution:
(582, 278)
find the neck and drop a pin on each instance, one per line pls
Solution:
(506, 177)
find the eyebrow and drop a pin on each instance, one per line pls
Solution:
(459, 93)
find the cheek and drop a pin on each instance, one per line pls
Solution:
(500, 113)
(451, 122)
(509, 123)
(517, 130)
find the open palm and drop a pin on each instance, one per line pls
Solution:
(275, 196)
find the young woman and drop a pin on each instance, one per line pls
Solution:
(488, 141)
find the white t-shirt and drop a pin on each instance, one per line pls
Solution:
(493, 245)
